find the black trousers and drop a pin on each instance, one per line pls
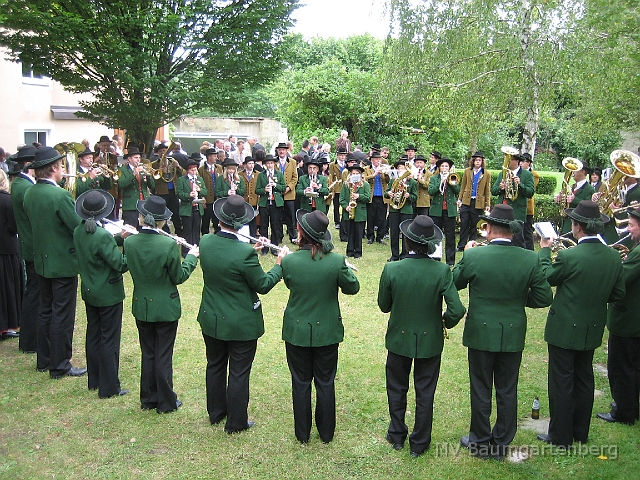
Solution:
(486, 370)
(336, 209)
(56, 319)
(570, 394)
(317, 364)
(173, 204)
(518, 239)
(229, 396)
(395, 219)
(104, 325)
(425, 379)
(376, 217)
(421, 211)
(130, 217)
(191, 230)
(253, 225)
(28, 341)
(448, 226)
(528, 233)
(208, 218)
(270, 216)
(355, 231)
(469, 217)
(156, 374)
(289, 218)
(623, 368)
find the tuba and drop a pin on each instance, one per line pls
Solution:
(70, 150)
(510, 187)
(625, 164)
(169, 167)
(571, 165)
(398, 189)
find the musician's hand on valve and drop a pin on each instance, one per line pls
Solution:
(596, 196)
(570, 197)
(516, 180)
(355, 196)
(193, 194)
(406, 194)
(502, 185)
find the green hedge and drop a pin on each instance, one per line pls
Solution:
(547, 185)
(546, 209)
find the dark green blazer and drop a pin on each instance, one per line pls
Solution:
(312, 316)
(278, 190)
(526, 190)
(53, 219)
(587, 277)
(502, 280)
(101, 265)
(624, 315)
(101, 182)
(407, 208)
(233, 278)
(156, 269)
(183, 191)
(361, 202)
(412, 290)
(323, 191)
(131, 190)
(223, 187)
(585, 192)
(19, 186)
(451, 192)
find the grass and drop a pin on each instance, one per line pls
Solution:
(58, 429)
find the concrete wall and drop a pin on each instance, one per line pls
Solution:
(26, 106)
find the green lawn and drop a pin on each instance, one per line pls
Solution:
(58, 429)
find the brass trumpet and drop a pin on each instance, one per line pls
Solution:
(623, 250)
(634, 204)
(150, 171)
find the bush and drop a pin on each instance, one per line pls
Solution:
(547, 185)
(546, 209)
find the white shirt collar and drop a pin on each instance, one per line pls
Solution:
(579, 184)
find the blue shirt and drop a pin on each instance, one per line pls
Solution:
(377, 186)
(476, 179)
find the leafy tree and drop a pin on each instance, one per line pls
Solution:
(149, 62)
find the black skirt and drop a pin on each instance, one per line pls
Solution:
(11, 291)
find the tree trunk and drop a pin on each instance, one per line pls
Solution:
(530, 131)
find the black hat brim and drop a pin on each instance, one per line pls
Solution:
(301, 213)
(107, 211)
(249, 212)
(158, 218)
(569, 213)
(404, 228)
(43, 163)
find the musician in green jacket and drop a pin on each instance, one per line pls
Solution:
(587, 277)
(495, 328)
(270, 186)
(231, 312)
(312, 326)
(413, 290)
(191, 191)
(91, 177)
(623, 322)
(444, 205)
(156, 270)
(23, 180)
(525, 188)
(580, 190)
(52, 216)
(101, 266)
(407, 188)
(135, 184)
(312, 188)
(354, 191)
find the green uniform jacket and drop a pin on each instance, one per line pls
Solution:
(131, 190)
(323, 191)
(407, 208)
(312, 317)
(101, 267)
(183, 192)
(624, 315)
(156, 268)
(19, 187)
(451, 193)
(587, 277)
(100, 182)
(223, 187)
(280, 187)
(230, 307)
(497, 321)
(364, 191)
(585, 192)
(412, 290)
(526, 190)
(53, 219)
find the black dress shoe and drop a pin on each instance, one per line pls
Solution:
(121, 393)
(73, 372)
(396, 446)
(178, 403)
(392, 259)
(357, 255)
(381, 242)
(607, 417)
(464, 441)
(149, 406)
(249, 425)
(42, 370)
(370, 241)
(10, 334)
(416, 454)
(543, 437)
